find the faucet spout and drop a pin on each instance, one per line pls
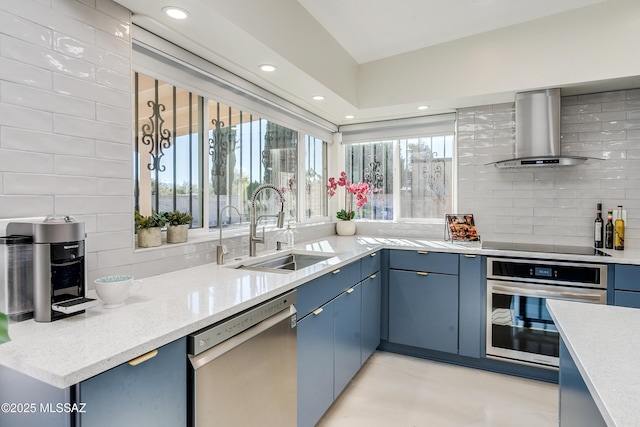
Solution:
(253, 235)
(221, 250)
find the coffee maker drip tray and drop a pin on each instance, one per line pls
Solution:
(74, 305)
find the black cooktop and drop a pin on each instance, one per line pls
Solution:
(552, 249)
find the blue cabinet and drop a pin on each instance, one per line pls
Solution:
(337, 331)
(423, 310)
(346, 333)
(627, 286)
(472, 306)
(152, 393)
(315, 365)
(371, 314)
(577, 407)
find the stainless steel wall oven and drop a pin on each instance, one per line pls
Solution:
(519, 327)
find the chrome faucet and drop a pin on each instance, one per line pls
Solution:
(221, 250)
(253, 224)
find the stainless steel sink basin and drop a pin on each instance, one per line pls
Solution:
(286, 262)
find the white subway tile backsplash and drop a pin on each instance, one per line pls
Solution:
(45, 58)
(98, 18)
(85, 205)
(22, 183)
(42, 142)
(42, 14)
(80, 127)
(113, 150)
(91, 91)
(25, 206)
(114, 186)
(79, 166)
(114, 79)
(603, 125)
(25, 161)
(25, 118)
(28, 31)
(114, 222)
(19, 72)
(25, 96)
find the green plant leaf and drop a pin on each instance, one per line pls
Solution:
(4, 328)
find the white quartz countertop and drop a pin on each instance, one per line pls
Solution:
(602, 341)
(172, 305)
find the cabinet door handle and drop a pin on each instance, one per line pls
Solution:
(373, 276)
(373, 254)
(141, 359)
(423, 252)
(470, 255)
(317, 311)
(421, 273)
(349, 290)
(336, 271)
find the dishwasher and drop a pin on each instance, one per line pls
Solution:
(244, 369)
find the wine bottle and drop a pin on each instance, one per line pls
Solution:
(618, 235)
(608, 230)
(597, 230)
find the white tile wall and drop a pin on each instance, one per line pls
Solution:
(553, 205)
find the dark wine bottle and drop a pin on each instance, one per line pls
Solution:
(608, 230)
(598, 229)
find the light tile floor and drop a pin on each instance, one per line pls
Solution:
(396, 390)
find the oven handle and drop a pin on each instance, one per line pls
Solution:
(517, 290)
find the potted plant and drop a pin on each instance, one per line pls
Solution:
(4, 328)
(149, 229)
(344, 226)
(177, 226)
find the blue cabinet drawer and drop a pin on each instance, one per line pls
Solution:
(370, 264)
(432, 262)
(627, 277)
(317, 292)
(627, 299)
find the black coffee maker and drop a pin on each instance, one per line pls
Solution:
(59, 267)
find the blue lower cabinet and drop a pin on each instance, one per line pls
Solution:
(315, 364)
(472, 321)
(152, 393)
(423, 310)
(371, 315)
(577, 407)
(627, 299)
(346, 332)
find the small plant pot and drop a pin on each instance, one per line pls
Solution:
(177, 233)
(149, 237)
(345, 228)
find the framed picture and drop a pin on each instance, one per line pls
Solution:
(461, 228)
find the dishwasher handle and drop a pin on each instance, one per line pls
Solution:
(288, 314)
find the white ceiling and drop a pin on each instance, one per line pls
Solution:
(319, 46)
(374, 29)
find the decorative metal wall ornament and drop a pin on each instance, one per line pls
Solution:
(156, 137)
(434, 175)
(219, 148)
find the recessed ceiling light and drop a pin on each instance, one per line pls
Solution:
(349, 116)
(176, 12)
(318, 98)
(268, 67)
(423, 107)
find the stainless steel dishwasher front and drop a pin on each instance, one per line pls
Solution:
(244, 369)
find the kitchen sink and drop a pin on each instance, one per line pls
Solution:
(286, 263)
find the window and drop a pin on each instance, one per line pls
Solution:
(315, 191)
(166, 167)
(410, 169)
(198, 155)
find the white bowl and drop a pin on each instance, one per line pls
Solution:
(114, 290)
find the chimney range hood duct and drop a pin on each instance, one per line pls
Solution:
(538, 132)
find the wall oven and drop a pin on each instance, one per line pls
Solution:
(519, 327)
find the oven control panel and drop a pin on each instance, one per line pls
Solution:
(545, 271)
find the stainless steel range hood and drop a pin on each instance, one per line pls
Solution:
(538, 132)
